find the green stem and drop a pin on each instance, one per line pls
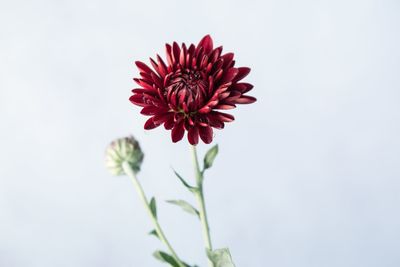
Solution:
(200, 200)
(128, 170)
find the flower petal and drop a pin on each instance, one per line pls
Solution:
(206, 43)
(168, 52)
(176, 51)
(143, 67)
(223, 116)
(206, 134)
(137, 99)
(242, 72)
(215, 122)
(161, 66)
(193, 135)
(228, 58)
(169, 123)
(225, 106)
(161, 118)
(204, 110)
(215, 54)
(150, 124)
(242, 87)
(153, 110)
(246, 100)
(177, 132)
(182, 57)
(144, 84)
(229, 75)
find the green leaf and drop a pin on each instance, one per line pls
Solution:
(221, 257)
(165, 257)
(191, 188)
(210, 157)
(153, 207)
(154, 233)
(185, 206)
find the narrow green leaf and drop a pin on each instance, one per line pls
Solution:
(221, 257)
(165, 257)
(154, 233)
(210, 157)
(153, 207)
(191, 188)
(185, 206)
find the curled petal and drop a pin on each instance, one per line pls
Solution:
(193, 135)
(205, 109)
(137, 100)
(161, 118)
(182, 58)
(223, 116)
(146, 77)
(143, 67)
(215, 122)
(177, 132)
(146, 85)
(224, 95)
(242, 87)
(169, 123)
(153, 110)
(215, 54)
(206, 134)
(206, 43)
(246, 100)
(242, 72)
(150, 124)
(218, 75)
(199, 56)
(229, 75)
(157, 120)
(168, 52)
(227, 59)
(139, 91)
(176, 51)
(225, 106)
(149, 110)
(217, 66)
(161, 66)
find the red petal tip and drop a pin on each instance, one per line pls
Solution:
(207, 43)
(149, 124)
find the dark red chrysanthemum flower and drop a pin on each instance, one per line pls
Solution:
(187, 93)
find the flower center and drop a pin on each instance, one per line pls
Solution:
(187, 90)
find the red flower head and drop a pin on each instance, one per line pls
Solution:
(186, 93)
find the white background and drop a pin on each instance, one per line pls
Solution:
(306, 177)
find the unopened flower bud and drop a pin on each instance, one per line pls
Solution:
(124, 150)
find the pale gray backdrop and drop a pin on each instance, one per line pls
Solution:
(306, 177)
